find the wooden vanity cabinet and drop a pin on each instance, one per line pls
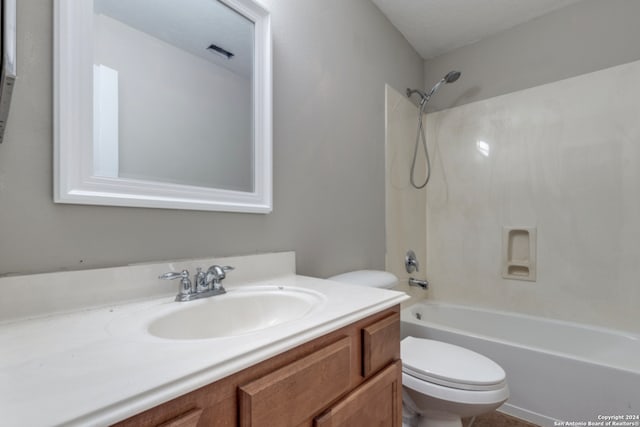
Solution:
(350, 377)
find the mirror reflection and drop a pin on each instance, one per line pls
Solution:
(173, 85)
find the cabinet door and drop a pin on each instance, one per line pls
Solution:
(296, 392)
(376, 403)
(380, 344)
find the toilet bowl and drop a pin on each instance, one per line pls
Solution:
(442, 383)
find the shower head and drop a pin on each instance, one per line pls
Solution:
(450, 77)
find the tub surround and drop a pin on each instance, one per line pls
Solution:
(541, 158)
(84, 368)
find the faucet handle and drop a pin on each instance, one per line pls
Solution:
(185, 282)
(225, 269)
(174, 275)
(411, 263)
(219, 271)
(216, 273)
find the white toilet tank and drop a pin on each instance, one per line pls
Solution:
(371, 278)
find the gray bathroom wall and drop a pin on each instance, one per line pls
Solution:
(331, 61)
(587, 36)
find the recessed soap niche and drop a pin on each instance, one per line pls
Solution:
(519, 253)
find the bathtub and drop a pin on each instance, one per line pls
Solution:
(559, 373)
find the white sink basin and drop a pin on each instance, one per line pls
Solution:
(239, 311)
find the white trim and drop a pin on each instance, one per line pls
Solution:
(73, 125)
(8, 54)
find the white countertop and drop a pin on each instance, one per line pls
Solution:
(86, 369)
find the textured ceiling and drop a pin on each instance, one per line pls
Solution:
(434, 27)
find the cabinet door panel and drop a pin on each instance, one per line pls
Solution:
(376, 403)
(380, 344)
(295, 392)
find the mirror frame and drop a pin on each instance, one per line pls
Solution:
(73, 125)
(8, 71)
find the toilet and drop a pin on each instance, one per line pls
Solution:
(441, 383)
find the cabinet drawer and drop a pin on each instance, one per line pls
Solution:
(291, 394)
(188, 419)
(380, 344)
(377, 402)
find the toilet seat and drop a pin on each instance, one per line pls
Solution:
(450, 366)
(454, 395)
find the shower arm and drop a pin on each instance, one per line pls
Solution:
(410, 92)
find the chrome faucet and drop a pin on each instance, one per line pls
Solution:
(424, 284)
(204, 284)
(411, 264)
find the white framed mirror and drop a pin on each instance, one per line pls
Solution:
(163, 104)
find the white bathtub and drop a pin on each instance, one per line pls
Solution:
(559, 373)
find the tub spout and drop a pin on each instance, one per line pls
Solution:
(424, 284)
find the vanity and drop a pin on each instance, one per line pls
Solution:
(349, 377)
(285, 350)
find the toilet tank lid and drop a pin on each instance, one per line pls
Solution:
(371, 278)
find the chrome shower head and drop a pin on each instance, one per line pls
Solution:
(450, 77)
